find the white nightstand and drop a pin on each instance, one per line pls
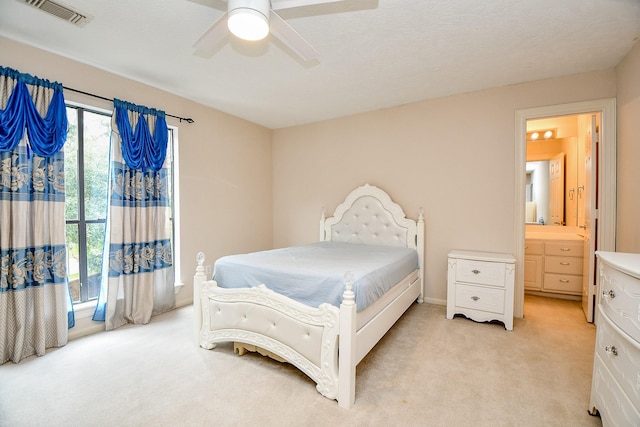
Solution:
(480, 286)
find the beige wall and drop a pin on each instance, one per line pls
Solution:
(244, 187)
(225, 162)
(453, 156)
(628, 111)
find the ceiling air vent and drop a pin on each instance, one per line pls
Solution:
(61, 11)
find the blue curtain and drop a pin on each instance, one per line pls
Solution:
(140, 148)
(137, 268)
(35, 303)
(46, 134)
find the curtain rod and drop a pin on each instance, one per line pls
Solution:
(186, 119)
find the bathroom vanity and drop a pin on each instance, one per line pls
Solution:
(553, 264)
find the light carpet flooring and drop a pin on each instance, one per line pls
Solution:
(427, 371)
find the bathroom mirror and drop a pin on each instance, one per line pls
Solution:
(537, 192)
(551, 181)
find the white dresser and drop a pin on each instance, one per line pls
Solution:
(480, 286)
(615, 386)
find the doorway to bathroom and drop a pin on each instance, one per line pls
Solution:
(559, 259)
(565, 199)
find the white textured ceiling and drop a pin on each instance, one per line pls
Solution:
(373, 53)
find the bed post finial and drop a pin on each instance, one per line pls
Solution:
(348, 297)
(200, 259)
(420, 214)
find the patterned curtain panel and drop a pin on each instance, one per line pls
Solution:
(35, 305)
(137, 271)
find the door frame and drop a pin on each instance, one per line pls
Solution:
(606, 179)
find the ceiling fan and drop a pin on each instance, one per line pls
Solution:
(254, 20)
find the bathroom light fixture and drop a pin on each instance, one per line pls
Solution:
(249, 19)
(537, 135)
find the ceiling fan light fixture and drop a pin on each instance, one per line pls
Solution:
(248, 19)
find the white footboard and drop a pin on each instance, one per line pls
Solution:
(322, 342)
(304, 336)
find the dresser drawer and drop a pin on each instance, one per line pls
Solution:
(562, 265)
(533, 247)
(563, 283)
(608, 398)
(564, 248)
(620, 355)
(480, 298)
(620, 300)
(480, 272)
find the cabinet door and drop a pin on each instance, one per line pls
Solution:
(533, 272)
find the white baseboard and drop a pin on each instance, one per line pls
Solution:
(77, 332)
(436, 301)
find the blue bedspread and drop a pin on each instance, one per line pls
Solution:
(314, 274)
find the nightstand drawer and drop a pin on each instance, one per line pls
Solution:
(480, 272)
(563, 265)
(480, 298)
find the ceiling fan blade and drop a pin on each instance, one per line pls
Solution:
(290, 37)
(216, 4)
(214, 35)
(289, 4)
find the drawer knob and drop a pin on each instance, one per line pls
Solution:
(475, 271)
(565, 249)
(475, 298)
(611, 349)
(565, 263)
(609, 294)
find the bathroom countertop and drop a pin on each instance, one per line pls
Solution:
(553, 236)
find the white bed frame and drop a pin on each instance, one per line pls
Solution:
(326, 343)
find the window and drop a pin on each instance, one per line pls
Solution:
(86, 154)
(86, 178)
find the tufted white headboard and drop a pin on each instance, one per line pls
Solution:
(369, 216)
